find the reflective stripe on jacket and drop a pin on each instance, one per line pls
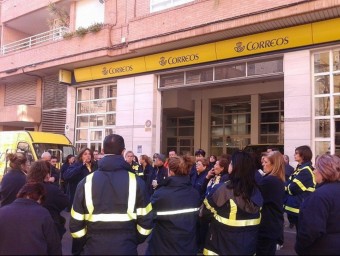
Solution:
(111, 203)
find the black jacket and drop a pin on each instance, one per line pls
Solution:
(56, 201)
(119, 215)
(319, 222)
(235, 222)
(273, 193)
(11, 183)
(27, 229)
(176, 205)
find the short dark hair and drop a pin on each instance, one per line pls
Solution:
(305, 152)
(200, 152)
(113, 144)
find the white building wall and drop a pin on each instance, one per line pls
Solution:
(297, 101)
(138, 100)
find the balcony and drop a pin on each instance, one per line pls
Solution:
(52, 35)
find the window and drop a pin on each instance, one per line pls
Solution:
(96, 115)
(158, 5)
(326, 101)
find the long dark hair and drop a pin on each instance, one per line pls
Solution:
(242, 177)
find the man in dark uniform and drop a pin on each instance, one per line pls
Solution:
(111, 210)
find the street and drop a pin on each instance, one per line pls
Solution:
(287, 249)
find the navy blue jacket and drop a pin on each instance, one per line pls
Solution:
(319, 222)
(119, 215)
(273, 193)
(235, 222)
(198, 182)
(298, 187)
(11, 183)
(74, 174)
(176, 204)
(159, 173)
(27, 229)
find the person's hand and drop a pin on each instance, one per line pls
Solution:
(51, 179)
(210, 174)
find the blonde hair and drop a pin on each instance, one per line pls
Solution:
(276, 159)
(329, 167)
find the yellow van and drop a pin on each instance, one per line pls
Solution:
(33, 144)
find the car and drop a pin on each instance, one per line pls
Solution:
(258, 149)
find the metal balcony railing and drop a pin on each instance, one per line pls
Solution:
(52, 35)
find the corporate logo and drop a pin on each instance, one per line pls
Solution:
(252, 46)
(106, 71)
(179, 59)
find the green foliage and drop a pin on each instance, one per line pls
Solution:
(95, 27)
(68, 35)
(81, 31)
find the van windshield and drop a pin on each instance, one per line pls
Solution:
(60, 151)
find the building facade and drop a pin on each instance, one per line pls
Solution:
(169, 74)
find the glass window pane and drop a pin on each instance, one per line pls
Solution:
(322, 84)
(265, 67)
(171, 142)
(216, 120)
(322, 147)
(321, 62)
(200, 75)
(110, 105)
(336, 60)
(96, 135)
(109, 131)
(83, 108)
(217, 141)
(186, 122)
(322, 107)
(336, 79)
(270, 105)
(97, 106)
(171, 131)
(217, 131)
(111, 119)
(84, 94)
(169, 80)
(270, 117)
(337, 105)
(216, 109)
(82, 121)
(187, 131)
(98, 92)
(337, 136)
(112, 91)
(322, 128)
(81, 134)
(230, 71)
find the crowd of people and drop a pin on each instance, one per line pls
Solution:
(179, 205)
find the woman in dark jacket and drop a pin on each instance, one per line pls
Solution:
(319, 226)
(26, 227)
(13, 181)
(176, 205)
(235, 211)
(272, 188)
(83, 166)
(69, 161)
(55, 200)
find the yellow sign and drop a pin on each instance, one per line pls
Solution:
(292, 37)
(182, 57)
(65, 76)
(112, 69)
(265, 42)
(326, 31)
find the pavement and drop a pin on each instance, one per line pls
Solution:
(287, 249)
